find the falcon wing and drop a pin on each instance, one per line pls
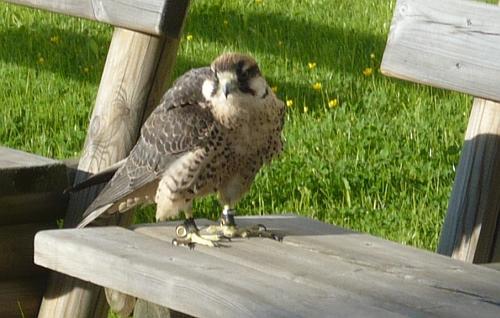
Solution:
(177, 126)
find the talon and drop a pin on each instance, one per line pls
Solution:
(222, 236)
(277, 238)
(177, 242)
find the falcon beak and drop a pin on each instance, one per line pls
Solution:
(227, 87)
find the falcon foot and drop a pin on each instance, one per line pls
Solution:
(189, 235)
(227, 228)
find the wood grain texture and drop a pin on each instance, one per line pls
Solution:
(448, 44)
(155, 17)
(319, 270)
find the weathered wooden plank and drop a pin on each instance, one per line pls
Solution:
(448, 44)
(31, 188)
(319, 270)
(21, 298)
(16, 250)
(156, 17)
(199, 290)
(471, 223)
(401, 278)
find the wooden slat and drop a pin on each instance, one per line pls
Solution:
(31, 188)
(156, 17)
(318, 270)
(448, 44)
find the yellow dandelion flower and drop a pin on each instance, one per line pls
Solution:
(41, 60)
(333, 103)
(86, 69)
(274, 89)
(312, 65)
(289, 102)
(368, 71)
(317, 86)
(189, 37)
(226, 22)
(258, 1)
(372, 56)
(54, 38)
(306, 109)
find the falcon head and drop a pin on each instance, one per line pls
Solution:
(236, 81)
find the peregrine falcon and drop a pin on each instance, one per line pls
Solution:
(211, 133)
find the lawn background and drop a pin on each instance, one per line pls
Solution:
(363, 151)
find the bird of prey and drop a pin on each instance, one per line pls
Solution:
(212, 132)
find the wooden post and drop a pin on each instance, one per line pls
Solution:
(136, 63)
(470, 226)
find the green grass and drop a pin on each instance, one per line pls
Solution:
(382, 161)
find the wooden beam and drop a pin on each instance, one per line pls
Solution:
(448, 44)
(156, 17)
(319, 270)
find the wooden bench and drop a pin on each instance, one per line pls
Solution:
(318, 270)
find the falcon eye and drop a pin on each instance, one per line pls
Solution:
(244, 76)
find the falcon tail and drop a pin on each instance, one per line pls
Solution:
(94, 215)
(98, 178)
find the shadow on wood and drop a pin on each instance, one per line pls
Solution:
(470, 230)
